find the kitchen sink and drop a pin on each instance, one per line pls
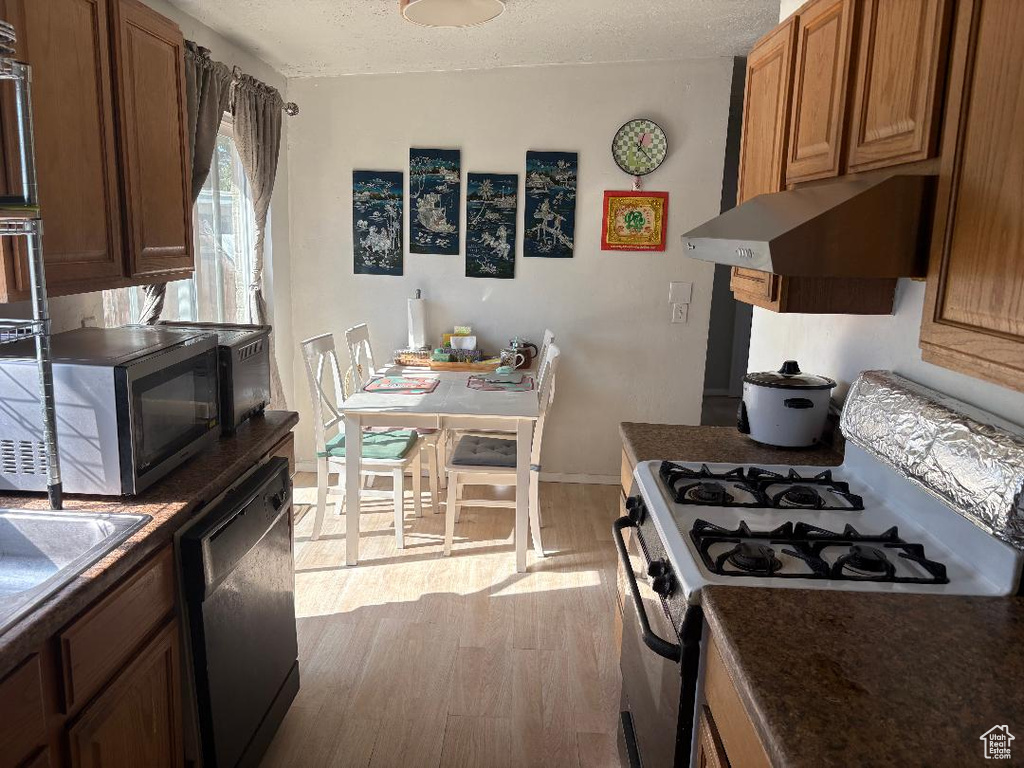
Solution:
(42, 551)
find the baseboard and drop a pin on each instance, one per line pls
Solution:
(562, 477)
(547, 477)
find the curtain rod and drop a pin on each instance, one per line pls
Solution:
(290, 108)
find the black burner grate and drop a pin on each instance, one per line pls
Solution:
(861, 557)
(755, 487)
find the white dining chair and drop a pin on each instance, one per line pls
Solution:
(389, 452)
(452, 436)
(360, 355)
(486, 459)
(361, 370)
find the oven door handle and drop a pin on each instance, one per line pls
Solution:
(662, 647)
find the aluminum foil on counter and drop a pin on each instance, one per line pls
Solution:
(970, 459)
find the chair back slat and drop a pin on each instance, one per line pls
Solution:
(546, 395)
(542, 357)
(321, 358)
(360, 355)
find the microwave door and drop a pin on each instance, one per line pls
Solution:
(173, 412)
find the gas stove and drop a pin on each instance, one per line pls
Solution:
(929, 499)
(856, 527)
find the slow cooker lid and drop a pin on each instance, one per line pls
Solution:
(789, 376)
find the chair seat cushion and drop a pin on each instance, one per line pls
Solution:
(392, 444)
(474, 450)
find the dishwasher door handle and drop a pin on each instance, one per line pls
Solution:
(661, 646)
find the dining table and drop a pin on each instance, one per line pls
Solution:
(452, 404)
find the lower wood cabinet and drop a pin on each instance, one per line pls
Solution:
(105, 692)
(727, 734)
(710, 752)
(136, 721)
(22, 715)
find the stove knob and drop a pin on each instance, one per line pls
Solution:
(658, 568)
(635, 509)
(664, 585)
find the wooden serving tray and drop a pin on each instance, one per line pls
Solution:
(476, 367)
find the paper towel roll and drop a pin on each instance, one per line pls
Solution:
(417, 323)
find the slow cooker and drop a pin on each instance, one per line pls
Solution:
(785, 408)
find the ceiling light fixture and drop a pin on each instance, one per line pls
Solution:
(451, 13)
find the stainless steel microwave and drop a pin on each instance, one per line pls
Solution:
(132, 404)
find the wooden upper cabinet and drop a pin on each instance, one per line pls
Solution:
(766, 113)
(763, 148)
(895, 107)
(154, 149)
(820, 84)
(66, 42)
(973, 319)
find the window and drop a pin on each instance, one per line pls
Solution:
(225, 239)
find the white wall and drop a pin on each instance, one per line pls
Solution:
(70, 311)
(623, 360)
(841, 346)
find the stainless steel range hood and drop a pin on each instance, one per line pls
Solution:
(851, 227)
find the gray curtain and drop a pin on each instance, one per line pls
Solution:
(258, 110)
(207, 88)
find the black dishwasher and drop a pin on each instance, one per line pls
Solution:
(238, 571)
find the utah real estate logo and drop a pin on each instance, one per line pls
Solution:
(997, 742)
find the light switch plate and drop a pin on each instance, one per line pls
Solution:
(680, 313)
(680, 293)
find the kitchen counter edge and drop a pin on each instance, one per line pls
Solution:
(170, 503)
(680, 442)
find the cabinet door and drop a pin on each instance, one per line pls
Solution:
(22, 713)
(755, 287)
(820, 85)
(155, 153)
(710, 752)
(766, 113)
(137, 719)
(973, 318)
(765, 131)
(900, 73)
(67, 44)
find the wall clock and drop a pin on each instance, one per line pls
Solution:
(639, 146)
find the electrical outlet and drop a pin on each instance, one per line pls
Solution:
(679, 313)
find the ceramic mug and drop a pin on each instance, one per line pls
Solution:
(512, 358)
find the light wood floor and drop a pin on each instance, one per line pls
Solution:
(411, 659)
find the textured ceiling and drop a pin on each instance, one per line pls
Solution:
(302, 38)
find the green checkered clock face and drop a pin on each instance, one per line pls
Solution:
(639, 147)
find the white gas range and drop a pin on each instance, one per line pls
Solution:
(929, 499)
(858, 527)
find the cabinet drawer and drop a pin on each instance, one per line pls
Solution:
(22, 716)
(99, 643)
(626, 473)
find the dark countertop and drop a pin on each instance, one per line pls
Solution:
(170, 503)
(845, 678)
(674, 442)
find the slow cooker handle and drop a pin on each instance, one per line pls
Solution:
(742, 422)
(799, 403)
